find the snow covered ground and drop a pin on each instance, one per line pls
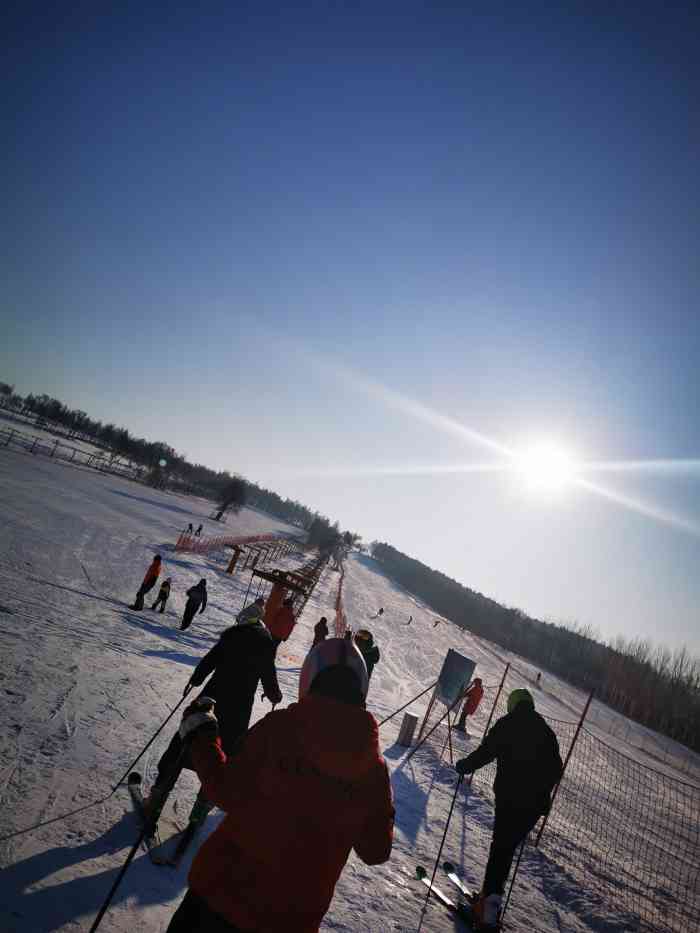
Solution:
(85, 682)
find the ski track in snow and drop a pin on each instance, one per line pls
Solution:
(85, 683)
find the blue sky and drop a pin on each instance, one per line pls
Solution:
(221, 222)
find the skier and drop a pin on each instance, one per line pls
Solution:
(538, 680)
(410, 619)
(308, 785)
(196, 599)
(282, 623)
(242, 657)
(163, 595)
(198, 531)
(320, 631)
(528, 765)
(190, 529)
(149, 581)
(253, 612)
(436, 623)
(380, 613)
(472, 698)
(369, 651)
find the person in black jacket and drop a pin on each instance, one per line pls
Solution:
(243, 656)
(528, 765)
(196, 599)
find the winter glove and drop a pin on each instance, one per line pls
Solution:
(199, 716)
(275, 697)
(462, 767)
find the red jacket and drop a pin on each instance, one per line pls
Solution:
(274, 601)
(281, 624)
(474, 695)
(153, 572)
(308, 786)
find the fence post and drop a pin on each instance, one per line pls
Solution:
(566, 762)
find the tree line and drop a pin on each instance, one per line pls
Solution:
(650, 684)
(229, 491)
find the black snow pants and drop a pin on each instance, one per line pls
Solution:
(191, 608)
(510, 827)
(195, 916)
(162, 600)
(143, 589)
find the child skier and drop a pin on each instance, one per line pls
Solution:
(528, 765)
(253, 612)
(308, 785)
(472, 698)
(320, 631)
(149, 581)
(163, 595)
(196, 599)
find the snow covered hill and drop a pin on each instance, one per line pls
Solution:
(85, 682)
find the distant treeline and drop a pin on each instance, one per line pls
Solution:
(178, 474)
(652, 685)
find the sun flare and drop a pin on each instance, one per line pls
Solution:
(547, 468)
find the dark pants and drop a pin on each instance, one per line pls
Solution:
(190, 612)
(162, 600)
(143, 589)
(194, 916)
(510, 827)
(276, 642)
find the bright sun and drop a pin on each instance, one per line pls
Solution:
(547, 468)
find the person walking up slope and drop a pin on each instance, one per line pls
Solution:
(163, 595)
(308, 785)
(241, 658)
(528, 765)
(472, 700)
(320, 631)
(149, 581)
(196, 599)
(282, 623)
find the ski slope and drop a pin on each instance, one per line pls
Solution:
(85, 682)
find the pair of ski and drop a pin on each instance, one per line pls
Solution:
(160, 851)
(461, 908)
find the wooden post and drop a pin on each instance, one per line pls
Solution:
(234, 560)
(408, 727)
(566, 762)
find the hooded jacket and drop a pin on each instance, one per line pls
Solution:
(528, 763)
(473, 698)
(308, 786)
(197, 595)
(243, 656)
(282, 623)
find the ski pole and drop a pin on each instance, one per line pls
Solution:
(153, 737)
(512, 880)
(437, 860)
(148, 826)
(416, 697)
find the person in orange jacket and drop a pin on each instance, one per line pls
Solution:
(308, 785)
(149, 581)
(471, 703)
(282, 623)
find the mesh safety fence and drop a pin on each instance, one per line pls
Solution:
(624, 836)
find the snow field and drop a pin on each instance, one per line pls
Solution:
(85, 683)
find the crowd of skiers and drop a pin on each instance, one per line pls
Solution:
(311, 777)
